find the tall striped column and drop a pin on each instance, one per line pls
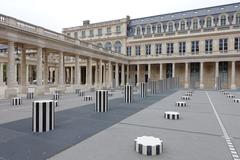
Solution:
(153, 87)
(101, 101)
(128, 93)
(143, 90)
(43, 115)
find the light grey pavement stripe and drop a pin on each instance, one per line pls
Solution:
(225, 134)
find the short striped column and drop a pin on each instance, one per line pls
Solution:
(143, 89)
(57, 91)
(77, 91)
(188, 94)
(81, 93)
(236, 100)
(56, 96)
(110, 94)
(128, 94)
(101, 101)
(153, 87)
(30, 95)
(230, 96)
(148, 145)
(171, 115)
(56, 103)
(16, 101)
(87, 98)
(181, 104)
(43, 115)
(226, 93)
(185, 97)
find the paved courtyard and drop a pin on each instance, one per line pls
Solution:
(201, 133)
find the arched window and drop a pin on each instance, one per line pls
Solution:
(238, 18)
(138, 31)
(118, 46)
(108, 46)
(223, 20)
(182, 26)
(170, 27)
(209, 22)
(195, 24)
(148, 29)
(100, 45)
(159, 28)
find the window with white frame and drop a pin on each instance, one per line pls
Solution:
(109, 30)
(159, 28)
(182, 25)
(108, 46)
(223, 45)
(148, 29)
(209, 22)
(158, 49)
(138, 31)
(195, 47)
(148, 49)
(238, 18)
(223, 20)
(138, 50)
(100, 32)
(129, 51)
(182, 48)
(118, 46)
(76, 34)
(195, 24)
(91, 33)
(170, 48)
(208, 46)
(170, 27)
(237, 44)
(118, 29)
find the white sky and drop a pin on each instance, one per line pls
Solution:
(57, 14)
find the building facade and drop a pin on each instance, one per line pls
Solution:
(199, 46)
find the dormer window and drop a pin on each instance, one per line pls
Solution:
(170, 27)
(195, 24)
(223, 20)
(148, 29)
(209, 22)
(238, 18)
(182, 26)
(159, 28)
(138, 31)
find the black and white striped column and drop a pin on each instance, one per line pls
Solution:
(148, 145)
(230, 96)
(81, 93)
(101, 101)
(43, 115)
(143, 89)
(128, 95)
(16, 101)
(56, 96)
(77, 91)
(185, 97)
(153, 87)
(30, 95)
(181, 104)
(87, 98)
(236, 100)
(171, 115)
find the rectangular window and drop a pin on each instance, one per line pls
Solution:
(223, 45)
(91, 33)
(83, 34)
(158, 48)
(195, 47)
(182, 48)
(109, 30)
(129, 51)
(170, 49)
(237, 44)
(76, 35)
(208, 46)
(99, 32)
(118, 29)
(138, 50)
(148, 49)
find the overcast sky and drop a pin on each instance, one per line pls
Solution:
(57, 14)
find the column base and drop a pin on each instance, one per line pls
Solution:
(233, 86)
(201, 86)
(10, 92)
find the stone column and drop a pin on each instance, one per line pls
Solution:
(216, 74)
(61, 71)
(161, 71)
(233, 80)
(128, 74)
(138, 74)
(77, 70)
(96, 74)
(72, 76)
(110, 74)
(100, 73)
(23, 68)
(186, 85)
(27, 74)
(201, 75)
(1, 74)
(173, 70)
(89, 72)
(45, 68)
(149, 71)
(123, 75)
(11, 76)
(104, 74)
(116, 75)
(39, 67)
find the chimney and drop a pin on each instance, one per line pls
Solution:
(86, 22)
